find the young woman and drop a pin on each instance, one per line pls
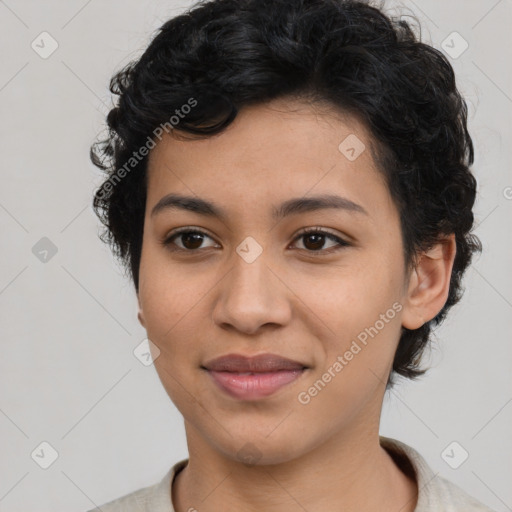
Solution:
(288, 183)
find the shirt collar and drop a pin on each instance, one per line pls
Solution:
(407, 458)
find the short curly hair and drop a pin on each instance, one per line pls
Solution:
(227, 54)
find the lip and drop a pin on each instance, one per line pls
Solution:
(255, 364)
(252, 378)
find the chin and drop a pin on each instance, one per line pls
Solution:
(260, 450)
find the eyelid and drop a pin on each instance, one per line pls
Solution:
(318, 229)
(340, 241)
(166, 239)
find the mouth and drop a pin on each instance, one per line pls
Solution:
(252, 378)
(253, 385)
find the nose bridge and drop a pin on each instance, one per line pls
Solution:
(250, 271)
(250, 260)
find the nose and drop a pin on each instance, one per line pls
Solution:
(250, 296)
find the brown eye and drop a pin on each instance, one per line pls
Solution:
(314, 240)
(191, 240)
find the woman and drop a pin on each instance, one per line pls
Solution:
(288, 184)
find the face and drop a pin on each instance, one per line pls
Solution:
(250, 282)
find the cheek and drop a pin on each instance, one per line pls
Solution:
(352, 293)
(168, 306)
(168, 296)
(355, 310)
(359, 338)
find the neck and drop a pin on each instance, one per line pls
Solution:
(349, 472)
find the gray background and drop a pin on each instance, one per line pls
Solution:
(68, 375)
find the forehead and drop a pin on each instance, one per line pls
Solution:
(269, 153)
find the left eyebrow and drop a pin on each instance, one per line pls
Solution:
(311, 204)
(291, 207)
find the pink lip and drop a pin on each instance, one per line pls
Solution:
(254, 386)
(253, 377)
(259, 363)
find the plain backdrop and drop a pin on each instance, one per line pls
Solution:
(68, 375)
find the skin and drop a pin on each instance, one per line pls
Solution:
(290, 301)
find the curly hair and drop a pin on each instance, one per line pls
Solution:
(227, 54)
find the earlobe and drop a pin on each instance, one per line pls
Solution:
(140, 314)
(429, 284)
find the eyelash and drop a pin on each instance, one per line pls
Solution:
(307, 231)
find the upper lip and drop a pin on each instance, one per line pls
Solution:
(258, 363)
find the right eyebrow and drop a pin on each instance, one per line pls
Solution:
(189, 203)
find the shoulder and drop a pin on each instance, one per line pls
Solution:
(449, 497)
(134, 502)
(153, 498)
(435, 493)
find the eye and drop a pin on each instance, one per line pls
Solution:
(191, 239)
(316, 239)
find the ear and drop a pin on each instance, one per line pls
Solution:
(140, 313)
(429, 284)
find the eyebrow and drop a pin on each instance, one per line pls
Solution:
(290, 207)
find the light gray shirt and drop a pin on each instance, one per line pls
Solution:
(435, 493)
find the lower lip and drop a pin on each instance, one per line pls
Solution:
(254, 386)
